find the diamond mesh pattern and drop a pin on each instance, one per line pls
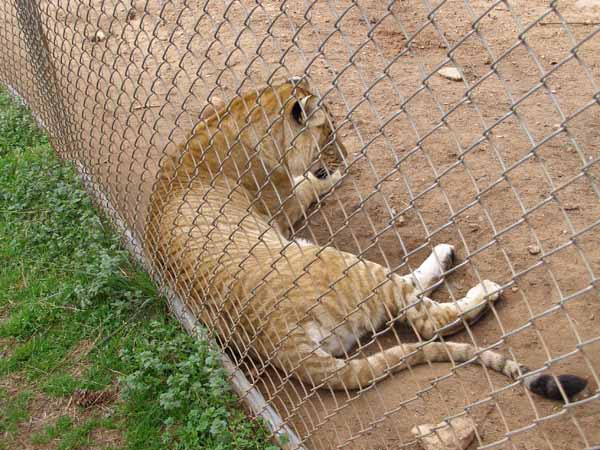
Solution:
(503, 163)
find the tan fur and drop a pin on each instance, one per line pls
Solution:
(219, 226)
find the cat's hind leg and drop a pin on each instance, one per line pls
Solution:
(430, 317)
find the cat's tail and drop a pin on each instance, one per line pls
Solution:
(319, 368)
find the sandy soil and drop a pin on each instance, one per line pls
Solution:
(502, 164)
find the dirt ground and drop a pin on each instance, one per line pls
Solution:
(504, 165)
(44, 411)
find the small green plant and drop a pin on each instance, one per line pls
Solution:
(13, 410)
(81, 316)
(174, 368)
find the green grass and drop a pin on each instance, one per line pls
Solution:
(66, 283)
(13, 411)
(69, 436)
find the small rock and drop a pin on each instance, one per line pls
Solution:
(131, 15)
(451, 73)
(400, 221)
(98, 36)
(534, 249)
(473, 227)
(458, 435)
(514, 288)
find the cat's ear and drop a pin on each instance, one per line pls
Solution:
(308, 113)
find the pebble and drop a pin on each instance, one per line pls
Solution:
(400, 221)
(457, 436)
(534, 249)
(473, 226)
(98, 36)
(131, 15)
(514, 288)
(451, 73)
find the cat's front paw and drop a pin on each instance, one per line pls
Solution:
(330, 181)
(445, 255)
(321, 173)
(486, 289)
(336, 176)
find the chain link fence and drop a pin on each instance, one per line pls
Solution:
(408, 124)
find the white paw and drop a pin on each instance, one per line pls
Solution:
(445, 255)
(485, 288)
(335, 176)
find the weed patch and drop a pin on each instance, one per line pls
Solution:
(71, 298)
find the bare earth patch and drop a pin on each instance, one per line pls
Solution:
(44, 411)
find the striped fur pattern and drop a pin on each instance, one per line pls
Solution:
(220, 229)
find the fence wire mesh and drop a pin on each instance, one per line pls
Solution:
(410, 124)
